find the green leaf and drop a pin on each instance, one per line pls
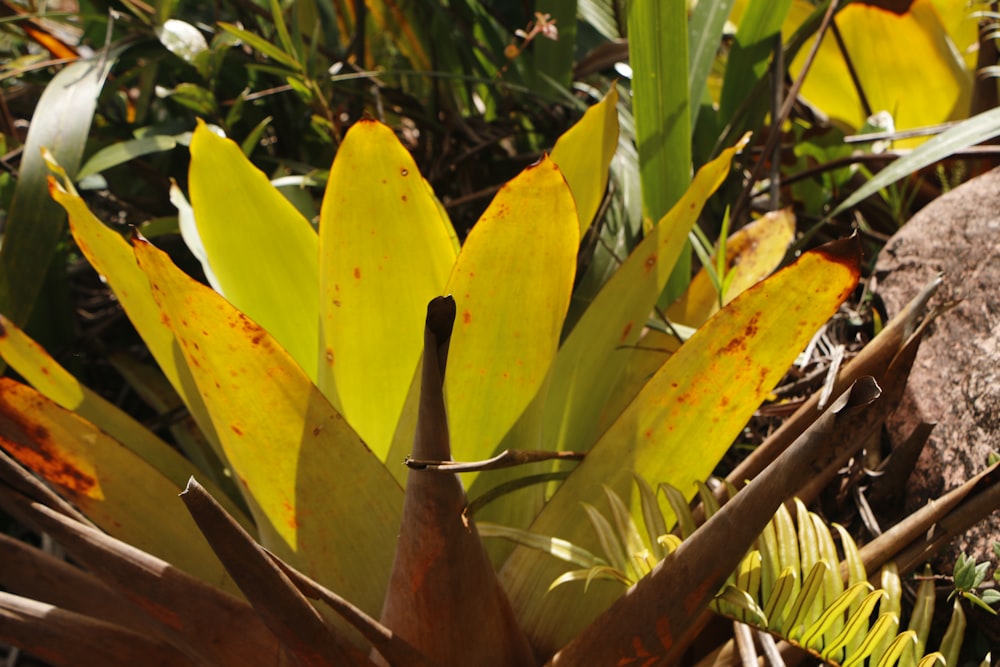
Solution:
(385, 251)
(658, 54)
(881, 631)
(283, 441)
(553, 546)
(34, 223)
(122, 152)
(258, 43)
(704, 34)
(832, 616)
(261, 250)
(853, 634)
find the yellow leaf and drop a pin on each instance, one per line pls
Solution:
(596, 351)
(681, 423)
(751, 254)
(385, 251)
(512, 286)
(917, 91)
(111, 256)
(584, 154)
(116, 489)
(319, 497)
(260, 248)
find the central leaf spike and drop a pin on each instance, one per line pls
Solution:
(444, 597)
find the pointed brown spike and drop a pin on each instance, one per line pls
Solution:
(443, 595)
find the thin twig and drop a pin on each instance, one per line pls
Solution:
(505, 459)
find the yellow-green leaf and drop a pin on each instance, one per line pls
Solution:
(595, 352)
(584, 154)
(683, 420)
(385, 251)
(111, 256)
(320, 499)
(260, 248)
(512, 286)
(115, 488)
(752, 253)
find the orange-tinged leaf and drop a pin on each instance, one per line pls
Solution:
(584, 154)
(752, 253)
(917, 92)
(512, 286)
(385, 251)
(111, 256)
(682, 422)
(321, 500)
(57, 384)
(260, 248)
(116, 489)
(596, 351)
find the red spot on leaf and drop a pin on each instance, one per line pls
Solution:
(626, 331)
(357, 273)
(724, 402)
(650, 263)
(236, 429)
(466, 316)
(45, 370)
(403, 198)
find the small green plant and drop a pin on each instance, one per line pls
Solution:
(969, 577)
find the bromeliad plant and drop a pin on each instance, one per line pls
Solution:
(308, 385)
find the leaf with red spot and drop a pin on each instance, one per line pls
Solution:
(286, 444)
(116, 489)
(595, 352)
(681, 423)
(260, 248)
(385, 250)
(511, 299)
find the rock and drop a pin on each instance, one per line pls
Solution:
(955, 380)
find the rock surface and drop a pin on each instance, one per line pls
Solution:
(956, 377)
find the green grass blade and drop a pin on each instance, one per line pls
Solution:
(704, 34)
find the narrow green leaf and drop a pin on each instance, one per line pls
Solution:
(785, 586)
(258, 43)
(951, 643)
(904, 641)
(553, 546)
(832, 617)
(704, 35)
(34, 223)
(682, 511)
(652, 516)
(122, 152)
(747, 609)
(975, 130)
(610, 544)
(882, 630)
(658, 54)
(923, 611)
(589, 575)
(812, 587)
(854, 631)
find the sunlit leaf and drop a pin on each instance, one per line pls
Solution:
(57, 384)
(592, 357)
(684, 419)
(284, 441)
(512, 298)
(385, 251)
(261, 250)
(917, 92)
(751, 254)
(584, 153)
